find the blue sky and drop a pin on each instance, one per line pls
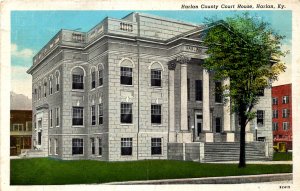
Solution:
(31, 30)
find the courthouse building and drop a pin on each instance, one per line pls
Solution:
(129, 88)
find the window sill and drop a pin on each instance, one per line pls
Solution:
(78, 126)
(156, 87)
(56, 126)
(124, 124)
(78, 90)
(99, 156)
(218, 103)
(80, 155)
(100, 86)
(157, 155)
(125, 85)
(156, 125)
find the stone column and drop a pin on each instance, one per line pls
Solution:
(172, 133)
(185, 135)
(206, 108)
(226, 113)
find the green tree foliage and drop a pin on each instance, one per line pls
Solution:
(247, 51)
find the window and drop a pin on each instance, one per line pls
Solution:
(77, 82)
(126, 76)
(93, 85)
(93, 115)
(275, 114)
(28, 125)
(100, 146)
(100, 113)
(156, 113)
(188, 88)
(218, 92)
(57, 116)
(285, 99)
(57, 81)
(156, 146)
(50, 86)
(45, 89)
(260, 92)
(126, 112)
(126, 146)
(35, 94)
(275, 126)
(100, 77)
(51, 118)
(39, 138)
(218, 125)
(285, 113)
(18, 127)
(77, 116)
(93, 145)
(285, 125)
(40, 92)
(156, 78)
(77, 146)
(275, 101)
(56, 146)
(260, 117)
(198, 90)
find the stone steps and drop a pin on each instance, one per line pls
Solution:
(216, 152)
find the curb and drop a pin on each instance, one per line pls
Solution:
(215, 180)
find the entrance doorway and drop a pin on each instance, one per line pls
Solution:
(198, 123)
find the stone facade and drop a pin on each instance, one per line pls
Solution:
(181, 109)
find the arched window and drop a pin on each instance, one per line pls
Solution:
(50, 85)
(57, 80)
(78, 78)
(93, 77)
(45, 87)
(126, 66)
(100, 74)
(156, 69)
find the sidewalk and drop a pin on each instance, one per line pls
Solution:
(255, 162)
(262, 178)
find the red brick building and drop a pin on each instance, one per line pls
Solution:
(282, 115)
(20, 130)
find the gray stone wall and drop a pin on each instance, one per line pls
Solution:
(175, 151)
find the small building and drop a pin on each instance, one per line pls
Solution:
(282, 116)
(20, 131)
(133, 89)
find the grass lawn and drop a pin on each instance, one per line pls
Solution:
(278, 156)
(46, 171)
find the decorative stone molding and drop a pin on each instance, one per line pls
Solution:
(172, 65)
(183, 59)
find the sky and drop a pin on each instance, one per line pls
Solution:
(31, 30)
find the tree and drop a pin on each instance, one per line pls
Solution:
(247, 51)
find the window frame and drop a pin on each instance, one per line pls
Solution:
(156, 146)
(218, 92)
(156, 78)
(93, 79)
(100, 77)
(51, 118)
(285, 99)
(57, 117)
(198, 90)
(126, 143)
(100, 113)
(260, 117)
(79, 146)
(154, 109)
(218, 119)
(93, 146)
(80, 81)
(285, 127)
(123, 78)
(56, 146)
(93, 115)
(275, 126)
(275, 114)
(285, 113)
(122, 109)
(81, 114)
(275, 101)
(100, 149)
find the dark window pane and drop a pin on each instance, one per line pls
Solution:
(77, 82)
(218, 92)
(156, 78)
(218, 125)
(126, 113)
(198, 90)
(126, 76)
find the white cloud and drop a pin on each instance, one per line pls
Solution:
(24, 53)
(21, 81)
(286, 77)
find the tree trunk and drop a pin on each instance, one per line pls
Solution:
(242, 161)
